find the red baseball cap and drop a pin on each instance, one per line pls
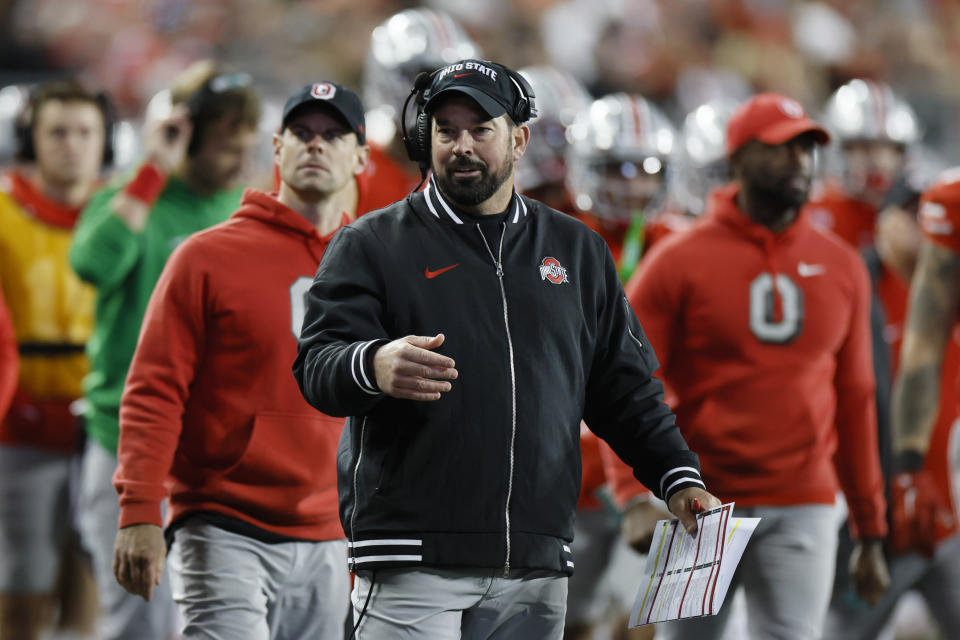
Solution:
(770, 118)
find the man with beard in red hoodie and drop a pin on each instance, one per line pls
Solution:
(761, 324)
(256, 546)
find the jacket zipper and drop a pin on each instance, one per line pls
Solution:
(498, 263)
(356, 473)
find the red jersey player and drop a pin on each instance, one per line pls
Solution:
(605, 567)
(875, 127)
(618, 164)
(924, 489)
(617, 174)
(761, 325)
(699, 166)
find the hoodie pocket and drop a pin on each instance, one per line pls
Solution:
(290, 450)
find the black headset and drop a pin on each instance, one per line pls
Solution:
(199, 99)
(27, 120)
(417, 140)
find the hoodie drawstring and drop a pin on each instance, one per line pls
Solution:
(777, 311)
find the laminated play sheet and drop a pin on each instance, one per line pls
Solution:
(688, 576)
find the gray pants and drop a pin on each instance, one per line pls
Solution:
(937, 580)
(230, 586)
(450, 604)
(786, 573)
(36, 517)
(123, 616)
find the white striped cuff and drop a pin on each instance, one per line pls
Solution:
(679, 478)
(358, 370)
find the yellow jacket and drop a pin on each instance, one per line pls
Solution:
(51, 308)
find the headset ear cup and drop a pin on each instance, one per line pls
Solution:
(194, 143)
(25, 151)
(23, 130)
(411, 141)
(109, 128)
(109, 135)
(525, 108)
(194, 106)
(422, 138)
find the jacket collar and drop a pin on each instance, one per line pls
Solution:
(441, 209)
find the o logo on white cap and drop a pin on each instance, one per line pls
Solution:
(791, 108)
(323, 91)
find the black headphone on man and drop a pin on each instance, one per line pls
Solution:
(417, 140)
(27, 120)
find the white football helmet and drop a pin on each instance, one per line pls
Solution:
(868, 110)
(407, 43)
(701, 160)
(861, 114)
(619, 157)
(560, 97)
(13, 101)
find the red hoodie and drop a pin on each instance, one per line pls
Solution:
(774, 390)
(385, 180)
(940, 221)
(210, 398)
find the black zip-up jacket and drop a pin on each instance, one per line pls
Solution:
(542, 336)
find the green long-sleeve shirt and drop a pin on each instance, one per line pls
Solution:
(124, 267)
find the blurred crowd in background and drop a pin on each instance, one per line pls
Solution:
(677, 53)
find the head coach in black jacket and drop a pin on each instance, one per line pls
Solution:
(466, 330)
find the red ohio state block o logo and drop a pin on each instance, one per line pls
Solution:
(551, 270)
(323, 91)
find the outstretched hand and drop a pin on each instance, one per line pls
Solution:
(408, 368)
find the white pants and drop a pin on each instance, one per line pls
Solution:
(123, 616)
(450, 604)
(229, 586)
(786, 573)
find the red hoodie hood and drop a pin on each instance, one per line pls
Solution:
(724, 209)
(265, 207)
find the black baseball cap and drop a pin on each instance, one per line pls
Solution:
(342, 100)
(488, 83)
